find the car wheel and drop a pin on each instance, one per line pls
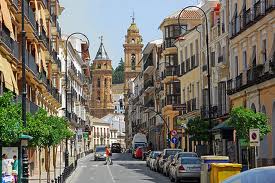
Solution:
(177, 180)
(95, 159)
(171, 178)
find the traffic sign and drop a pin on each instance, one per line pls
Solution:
(174, 132)
(254, 137)
(174, 140)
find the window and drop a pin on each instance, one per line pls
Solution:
(236, 66)
(99, 66)
(133, 40)
(105, 82)
(264, 56)
(171, 60)
(133, 61)
(244, 60)
(98, 95)
(98, 82)
(254, 61)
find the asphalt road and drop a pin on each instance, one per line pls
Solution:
(125, 169)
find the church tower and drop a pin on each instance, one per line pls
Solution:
(101, 97)
(132, 52)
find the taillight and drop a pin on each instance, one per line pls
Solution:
(181, 168)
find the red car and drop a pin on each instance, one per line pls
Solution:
(138, 153)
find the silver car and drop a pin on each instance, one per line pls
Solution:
(99, 153)
(185, 154)
(153, 159)
(185, 168)
(167, 165)
(257, 175)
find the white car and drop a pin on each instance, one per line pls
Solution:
(153, 159)
(185, 168)
(256, 175)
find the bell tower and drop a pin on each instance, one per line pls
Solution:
(101, 104)
(132, 53)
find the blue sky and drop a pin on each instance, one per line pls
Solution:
(111, 18)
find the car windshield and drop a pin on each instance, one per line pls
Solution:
(155, 154)
(190, 161)
(171, 152)
(100, 149)
(188, 155)
(115, 145)
(139, 145)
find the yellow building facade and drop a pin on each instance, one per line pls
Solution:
(172, 92)
(252, 58)
(190, 81)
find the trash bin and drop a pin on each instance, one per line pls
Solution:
(205, 168)
(221, 171)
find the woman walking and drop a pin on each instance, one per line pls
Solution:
(108, 154)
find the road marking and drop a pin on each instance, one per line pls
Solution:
(111, 174)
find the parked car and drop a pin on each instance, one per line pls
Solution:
(138, 153)
(99, 153)
(185, 168)
(185, 154)
(256, 175)
(156, 163)
(148, 158)
(116, 148)
(164, 156)
(145, 153)
(167, 165)
(153, 159)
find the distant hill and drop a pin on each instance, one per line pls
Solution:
(118, 73)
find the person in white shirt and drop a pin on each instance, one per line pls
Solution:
(5, 163)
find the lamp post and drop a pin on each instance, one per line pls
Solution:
(25, 172)
(25, 164)
(66, 84)
(164, 121)
(208, 72)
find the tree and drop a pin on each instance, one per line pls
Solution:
(198, 129)
(243, 119)
(118, 73)
(10, 119)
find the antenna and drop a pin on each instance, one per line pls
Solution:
(101, 39)
(133, 17)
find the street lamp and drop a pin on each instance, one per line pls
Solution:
(208, 68)
(25, 173)
(66, 90)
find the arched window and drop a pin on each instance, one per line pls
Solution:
(133, 40)
(133, 61)
(98, 95)
(253, 107)
(98, 82)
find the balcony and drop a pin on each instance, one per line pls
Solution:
(149, 85)
(9, 43)
(250, 17)
(30, 62)
(42, 78)
(43, 38)
(254, 74)
(169, 43)
(30, 16)
(172, 99)
(15, 4)
(148, 65)
(188, 65)
(171, 73)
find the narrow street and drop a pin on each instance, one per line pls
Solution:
(124, 169)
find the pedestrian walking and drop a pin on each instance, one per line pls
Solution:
(108, 154)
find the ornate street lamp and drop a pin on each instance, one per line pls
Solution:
(208, 72)
(66, 81)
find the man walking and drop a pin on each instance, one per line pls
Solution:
(108, 154)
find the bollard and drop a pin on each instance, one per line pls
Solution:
(55, 180)
(59, 179)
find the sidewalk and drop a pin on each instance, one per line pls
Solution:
(71, 178)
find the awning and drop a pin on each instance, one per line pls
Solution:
(43, 58)
(223, 126)
(44, 22)
(6, 17)
(36, 54)
(37, 13)
(10, 82)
